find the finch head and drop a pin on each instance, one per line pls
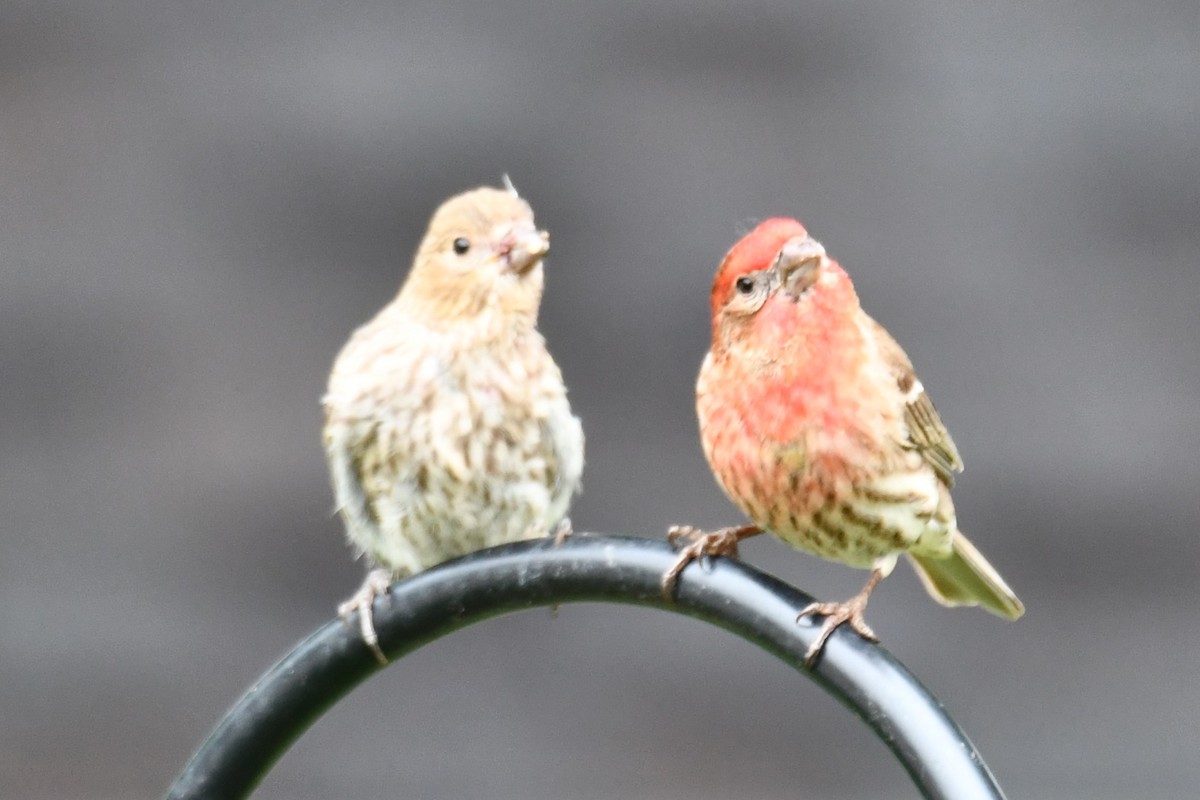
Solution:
(482, 255)
(748, 277)
(776, 285)
(755, 253)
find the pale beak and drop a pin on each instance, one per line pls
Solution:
(799, 264)
(523, 248)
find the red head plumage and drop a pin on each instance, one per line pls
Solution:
(755, 251)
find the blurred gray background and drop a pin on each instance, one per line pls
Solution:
(199, 202)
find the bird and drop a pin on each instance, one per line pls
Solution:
(446, 422)
(817, 428)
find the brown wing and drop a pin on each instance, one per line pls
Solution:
(926, 433)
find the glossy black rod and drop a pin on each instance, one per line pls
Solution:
(761, 609)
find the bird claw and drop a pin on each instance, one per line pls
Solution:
(849, 613)
(375, 585)
(563, 532)
(723, 542)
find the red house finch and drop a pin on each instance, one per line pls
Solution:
(447, 426)
(816, 426)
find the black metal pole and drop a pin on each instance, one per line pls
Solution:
(761, 609)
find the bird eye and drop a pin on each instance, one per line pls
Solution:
(461, 245)
(745, 285)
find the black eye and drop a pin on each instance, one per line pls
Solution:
(461, 245)
(745, 285)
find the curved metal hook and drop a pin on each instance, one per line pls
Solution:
(761, 609)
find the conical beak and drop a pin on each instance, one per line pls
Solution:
(799, 264)
(523, 248)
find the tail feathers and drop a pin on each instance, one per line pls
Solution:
(967, 579)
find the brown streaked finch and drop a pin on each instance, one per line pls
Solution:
(817, 428)
(447, 426)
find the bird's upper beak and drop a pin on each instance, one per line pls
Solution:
(799, 264)
(522, 248)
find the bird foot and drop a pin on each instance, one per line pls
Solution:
(849, 612)
(562, 532)
(723, 542)
(375, 585)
